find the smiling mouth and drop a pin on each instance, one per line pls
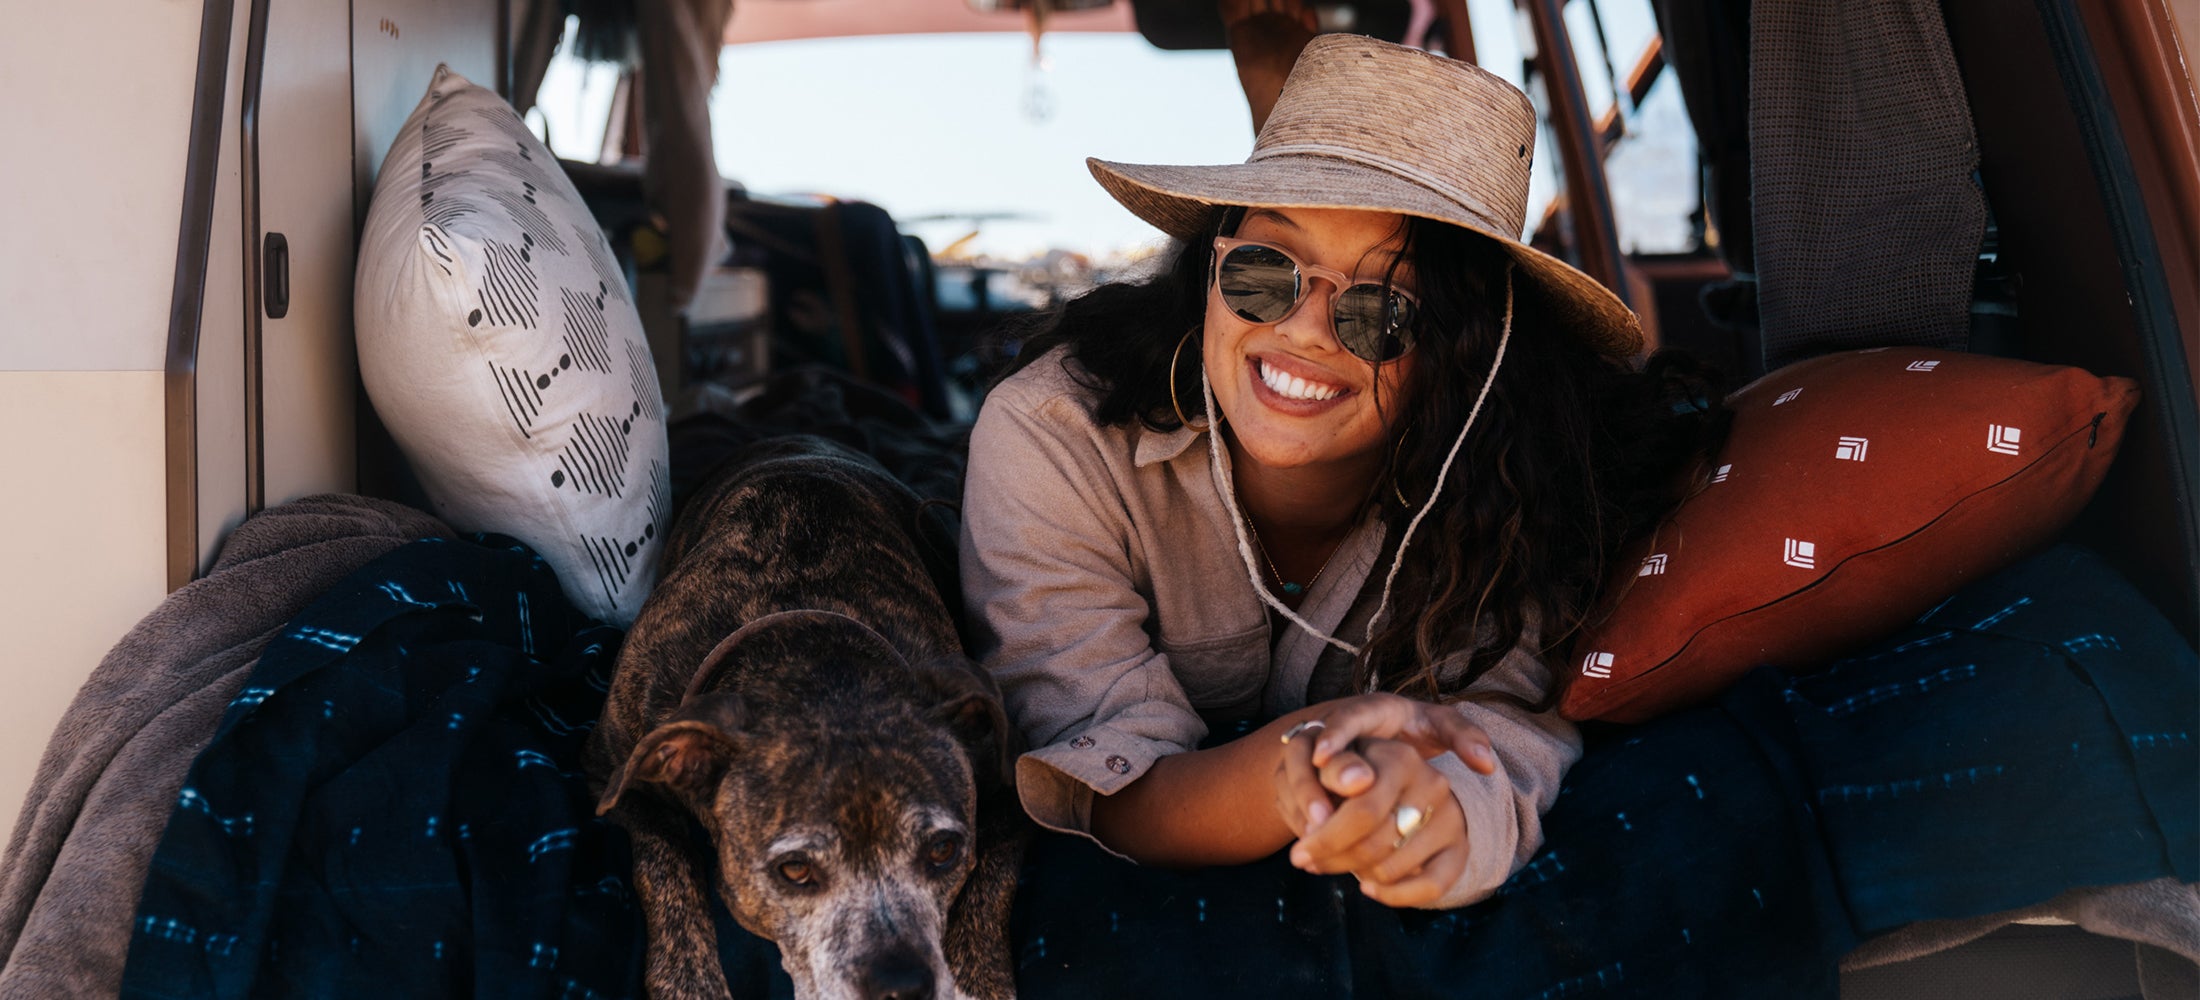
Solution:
(1293, 387)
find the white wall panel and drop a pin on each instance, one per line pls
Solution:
(83, 505)
(395, 46)
(95, 118)
(221, 383)
(308, 361)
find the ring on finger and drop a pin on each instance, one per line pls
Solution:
(1409, 820)
(1302, 728)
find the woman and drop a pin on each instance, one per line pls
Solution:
(1270, 551)
(1347, 467)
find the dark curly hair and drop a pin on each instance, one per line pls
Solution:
(1572, 454)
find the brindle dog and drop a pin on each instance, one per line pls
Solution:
(796, 686)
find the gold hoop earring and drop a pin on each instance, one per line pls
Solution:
(1394, 467)
(1174, 357)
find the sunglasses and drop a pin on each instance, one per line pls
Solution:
(1265, 284)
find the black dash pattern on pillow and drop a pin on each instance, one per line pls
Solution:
(594, 458)
(587, 335)
(505, 120)
(660, 497)
(522, 399)
(439, 245)
(508, 286)
(615, 559)
(614, 562)
(525, 168)
(612, 281)
(511, 272)
(643, 373)
(528, 217)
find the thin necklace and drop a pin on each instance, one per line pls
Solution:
(1289, 589)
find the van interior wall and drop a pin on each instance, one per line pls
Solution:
(87, 265)
(396, 46)
(2077, 304)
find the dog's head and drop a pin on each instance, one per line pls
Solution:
(841, 805)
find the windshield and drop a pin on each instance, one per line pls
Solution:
(964, 134)
(952, 133)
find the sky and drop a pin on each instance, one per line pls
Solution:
(968, 124)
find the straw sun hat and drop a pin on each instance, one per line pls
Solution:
(1369, 125)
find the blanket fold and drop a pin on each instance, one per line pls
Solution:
(111, 772)
(393, 803)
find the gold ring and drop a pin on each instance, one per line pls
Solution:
(1409, 820)
(1303, 727)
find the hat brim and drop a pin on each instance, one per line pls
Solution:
(1179, 200)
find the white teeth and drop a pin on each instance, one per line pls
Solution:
(1294, 387)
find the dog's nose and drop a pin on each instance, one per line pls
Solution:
(897, 975)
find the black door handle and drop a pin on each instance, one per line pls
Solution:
(275, 275)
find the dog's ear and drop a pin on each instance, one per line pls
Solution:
(970, 705)
(685, 754)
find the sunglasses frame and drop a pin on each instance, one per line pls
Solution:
(1339, 283)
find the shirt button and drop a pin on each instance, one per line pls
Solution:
(1117, 764)
(1082, 743)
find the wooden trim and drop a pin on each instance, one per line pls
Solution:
(2086, 65)
(1610, 127)
(1596, 236)
(504, 50)
(187, 299)
(1696, 268)
(1458, 31)
(255, 278)
(2161, 127)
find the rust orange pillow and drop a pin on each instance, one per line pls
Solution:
(1856, 491)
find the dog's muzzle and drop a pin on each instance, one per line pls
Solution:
(900, 974)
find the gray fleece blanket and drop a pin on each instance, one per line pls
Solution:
(2161, 917)
(78, 857)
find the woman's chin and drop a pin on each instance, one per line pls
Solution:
(1278, 439)
(1273, 444)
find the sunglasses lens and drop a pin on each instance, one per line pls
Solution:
(1261, 283)
(1258, 283)
(1374, 323)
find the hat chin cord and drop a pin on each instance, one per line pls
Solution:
(1237, 517)
(1237, 521)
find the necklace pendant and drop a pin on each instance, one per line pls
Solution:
(1293, 589)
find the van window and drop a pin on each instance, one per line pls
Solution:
(1653, 170)
(952, 133)
(962, 134)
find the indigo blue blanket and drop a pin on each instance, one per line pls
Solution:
(2033, 734)
(393, 805)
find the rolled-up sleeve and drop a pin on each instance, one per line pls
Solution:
(1504, 809)
(1048, 585)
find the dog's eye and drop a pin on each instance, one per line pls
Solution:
(797, 871)
(943, 850)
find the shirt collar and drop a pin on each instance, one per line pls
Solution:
(1162, 446)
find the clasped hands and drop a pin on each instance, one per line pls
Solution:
(1354, 784)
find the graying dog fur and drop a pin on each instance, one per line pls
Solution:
(795, 684)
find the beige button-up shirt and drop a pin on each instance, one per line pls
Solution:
(1102, 577)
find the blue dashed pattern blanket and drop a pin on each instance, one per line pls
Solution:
(2031, 735)
(392, 807)
(393, 804)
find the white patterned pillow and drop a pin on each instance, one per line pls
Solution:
(499, 345)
